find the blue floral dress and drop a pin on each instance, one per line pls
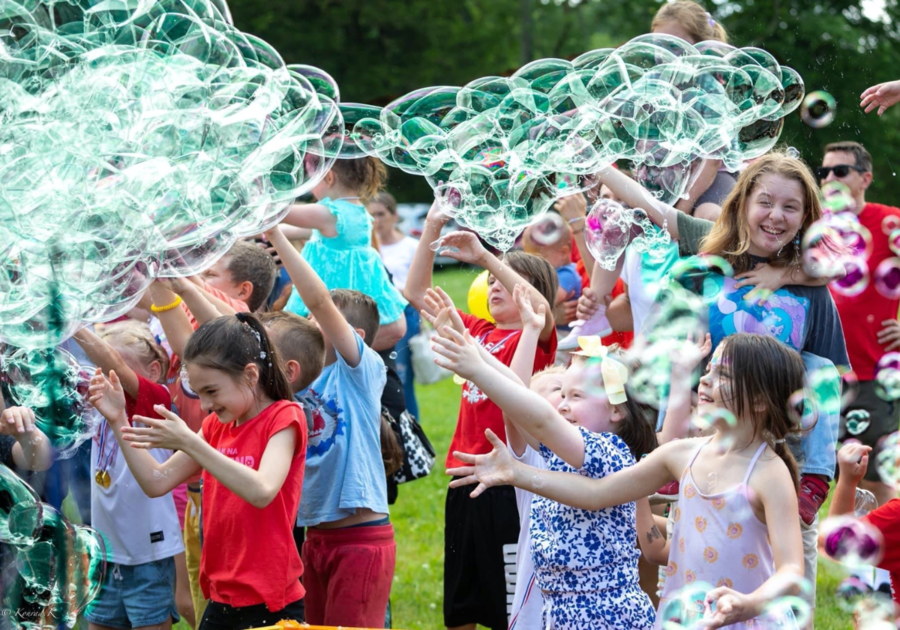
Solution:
(348, 261)
(586, 563)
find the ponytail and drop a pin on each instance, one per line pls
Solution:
(229, 344)
(365, 176)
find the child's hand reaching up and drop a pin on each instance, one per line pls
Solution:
(17, 421)
(464, 247)
(442, 304)
(496, 468)
(853, 460)
(689, 355)
(108, 397)
(532, 319)
(457, 352)
(170, 432)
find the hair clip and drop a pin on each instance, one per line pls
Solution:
(710, 20)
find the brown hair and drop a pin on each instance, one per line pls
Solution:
(297, 339)
(536, 271)
(248, 262)
(693, 18)
(365, 176)
(860, 155)
(360, 311)
(136, 336)
(387, 200)
(730, 235)
(765, 373)
(230, 343)
(391, 450)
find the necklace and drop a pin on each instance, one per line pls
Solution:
(104, 460)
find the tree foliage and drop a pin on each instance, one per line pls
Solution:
(378, 50)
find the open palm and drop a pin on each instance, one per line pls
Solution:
(496, 468)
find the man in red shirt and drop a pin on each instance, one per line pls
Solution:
(870, 318)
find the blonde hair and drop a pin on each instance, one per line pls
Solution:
(548, 371)
(136, 336)
(693, 18)
(730, 235)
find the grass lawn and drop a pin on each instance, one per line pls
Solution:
(418, 515)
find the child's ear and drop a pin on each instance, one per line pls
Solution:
(251, 373)
(293, 370)
(361, 333)
(245, 290)
(155, 371)
(616, 413)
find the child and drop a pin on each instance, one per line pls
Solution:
(22, 444)
(300, 344)
(585, 562)
(144, 535)
(853, 460)
(476, 532)
(247, 273)
(349, 552)
(340, 247)
(251, 449)
(737, 487)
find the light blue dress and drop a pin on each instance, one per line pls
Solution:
(348, 261)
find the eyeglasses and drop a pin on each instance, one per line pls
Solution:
(841, 170)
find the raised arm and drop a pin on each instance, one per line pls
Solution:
(172, 318)
(522, 364)
(419, 279)
(700, 185)
(684, 360)
(105, 357)
(853, 461)
(573, 208)
(498, 468)
(465, 247)
(312, 216)
(523, 407)
(32, 450)
(636, 196)
(317, 299)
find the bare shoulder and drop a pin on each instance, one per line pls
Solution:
(771, 474)
(678, 453)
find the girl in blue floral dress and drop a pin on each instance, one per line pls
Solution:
(586, 563)
(340, 248)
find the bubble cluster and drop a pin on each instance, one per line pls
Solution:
(507, 146)
(59, 565)
(140, 140)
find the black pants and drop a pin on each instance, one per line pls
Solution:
(224, 617)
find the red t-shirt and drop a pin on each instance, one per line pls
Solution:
(861, 315)
(476, 411)
(186, 402)
(249, 555)
(887, 519)
(149, 395)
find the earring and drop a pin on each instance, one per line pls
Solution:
(797, 246)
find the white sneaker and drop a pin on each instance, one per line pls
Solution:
(597, 325)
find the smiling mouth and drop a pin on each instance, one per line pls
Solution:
(772, 231)
(703, 399)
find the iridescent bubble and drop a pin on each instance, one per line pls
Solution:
(849, 388)
(685, 608)
(864, 503)
(702, 275)
(851, 541)
(548, 229)
(789, 611)
(850, 592)
(803, 410)
(887, 384)
(836, 197)
(874, 613)
(887, 278)
(887, 461)
(607, 231)
(856, 277)
(857, 421)
(890, 223)
(894, 241)
(818, 109)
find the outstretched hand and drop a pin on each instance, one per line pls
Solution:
(464, 247)
(532, 319)
(882, 96)
(688, 355)
(456, 352)
(496, 468)
(853, 461)
(170, 432)
(445, 313)
(108, 397)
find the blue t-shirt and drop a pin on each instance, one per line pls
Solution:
(344, 469)
(569, 280)
(579, 550)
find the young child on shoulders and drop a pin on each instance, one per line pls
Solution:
(585, 562)
(251, 449)
(340, 251)
(476, 532)
(344, 504)
(737, 487)
(144, 534)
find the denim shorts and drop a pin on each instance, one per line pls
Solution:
(136, 596)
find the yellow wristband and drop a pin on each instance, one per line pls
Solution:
(168, 307)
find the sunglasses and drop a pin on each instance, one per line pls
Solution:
(841, 170)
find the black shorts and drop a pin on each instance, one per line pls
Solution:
(884, 419)
(475, 532)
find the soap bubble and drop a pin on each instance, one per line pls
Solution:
(856, 277)
(890, 223)
(887, 278)
(548, 229)
(685, 608)
(607, 231)
(864, 503)
(887, 461)
(837, 198)
(830, 242)
(857, 421)
(894, 241)
(850, 592)
(702, 275)
(851, 541)
(818, 109)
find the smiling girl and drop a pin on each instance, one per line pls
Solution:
(252, 450)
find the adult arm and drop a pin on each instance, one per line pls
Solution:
(636, 196)
(389, 335)
(317, 298)
(701, 184)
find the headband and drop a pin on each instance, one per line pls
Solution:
(614, 373)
